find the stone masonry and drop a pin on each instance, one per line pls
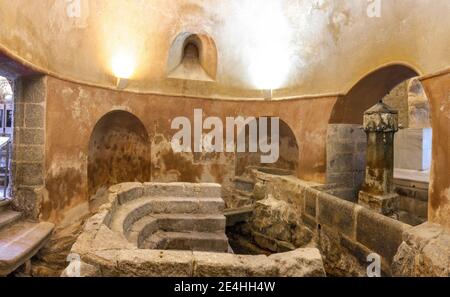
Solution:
(28, 145)
(101, 251)
(346, 159)
(377, 193)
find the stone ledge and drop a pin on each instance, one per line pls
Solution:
(425, 251)
(104, 252)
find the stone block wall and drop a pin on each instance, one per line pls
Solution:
(413, 202)
(346, 159)
(397, 99)
(28, 145)
(344, 232)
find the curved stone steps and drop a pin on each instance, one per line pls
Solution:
(20, 242)
(244, 184)
(141, 230)
(191, 222)
(195, 241)
(129, 213)
(136, 190)
(8, 217)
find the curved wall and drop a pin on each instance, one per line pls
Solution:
(306, 47)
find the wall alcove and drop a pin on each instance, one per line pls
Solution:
(119, 151)
(192, 57)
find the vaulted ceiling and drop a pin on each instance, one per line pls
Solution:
(299, 47)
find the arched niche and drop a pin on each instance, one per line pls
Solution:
(288, 152)
(192, 57)
(119, 151)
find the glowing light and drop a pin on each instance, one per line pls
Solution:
(270, 60)
(123, 64)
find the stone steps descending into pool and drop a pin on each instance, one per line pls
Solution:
(179, 216)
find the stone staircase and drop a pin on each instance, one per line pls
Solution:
(174, 219)
(20, 240)
(242, 195)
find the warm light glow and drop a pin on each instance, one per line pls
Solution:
(123, 64)
(269, 62)
(263, 35)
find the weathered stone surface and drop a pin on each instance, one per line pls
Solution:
(227, 265)
(33, 136)
(128, 191)
(425, 251)
(305, 262)
(20, 242)
(29, 174)
(203, 190)
(155, 263)
(337, 213)
(381, 234)
(338, 260)
(259, 191)
(106, 239)
(195, 222)
(310, 198)
(384, 204)
(52, 258)
(29, 153)
(34, 116)
(276, 219)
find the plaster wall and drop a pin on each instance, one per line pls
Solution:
(438, 91)
(314, 39)
(73, 110)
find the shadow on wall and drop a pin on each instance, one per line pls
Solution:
(349, 109)
(119, 151)
(288, 148)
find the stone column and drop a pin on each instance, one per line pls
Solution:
(377, 193)
(28, 145)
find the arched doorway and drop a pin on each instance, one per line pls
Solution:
(119, 151)
(288, 151)
(398, 87)
(346, 141)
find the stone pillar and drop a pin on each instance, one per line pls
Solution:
(377, 193)
(28, 145)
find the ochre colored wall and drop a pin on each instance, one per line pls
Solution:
(438, 92)
(73, 110)
(119, 151)
(328, 45)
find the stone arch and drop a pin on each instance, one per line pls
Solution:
(192, 57)
(289, 153)
(346, 141)
(349, 109)
(119, 151)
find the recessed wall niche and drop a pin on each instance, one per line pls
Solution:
(192, 57)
